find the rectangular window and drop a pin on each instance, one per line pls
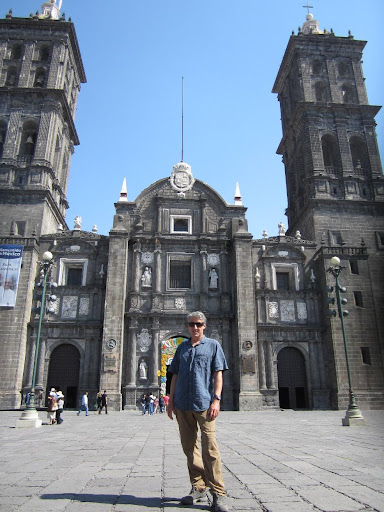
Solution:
(358, 299)
(74, 276)
(366, 355)
(282, 280)
(72, 272)
(180, 274)
(354, 267)
(336, 238)
(181, 224)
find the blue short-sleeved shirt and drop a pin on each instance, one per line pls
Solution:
(195, 367)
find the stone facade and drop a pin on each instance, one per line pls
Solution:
(121, 301)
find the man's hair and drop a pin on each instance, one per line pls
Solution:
(197, 314)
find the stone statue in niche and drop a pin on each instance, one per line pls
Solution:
(146, 278)
(213, 279)
(143, 370)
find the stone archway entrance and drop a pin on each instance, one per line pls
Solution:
(168, 349)
(292, 379)
(64, 372)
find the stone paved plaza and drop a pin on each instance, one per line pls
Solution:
(274, 461)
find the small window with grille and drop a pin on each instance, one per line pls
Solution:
(179, 271)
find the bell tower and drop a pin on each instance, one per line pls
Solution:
(335, 190)
(329, 145)
(40, 75)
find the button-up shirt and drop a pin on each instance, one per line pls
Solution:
(195, 367)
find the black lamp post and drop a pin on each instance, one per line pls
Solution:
(353, 415)
(30, 417)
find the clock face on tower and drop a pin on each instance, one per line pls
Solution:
(147, 257)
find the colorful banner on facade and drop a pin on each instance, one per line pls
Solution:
(10, 264)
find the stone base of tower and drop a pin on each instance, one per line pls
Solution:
(321, 399)
(372, 400)
(250, 401)
(10, 400)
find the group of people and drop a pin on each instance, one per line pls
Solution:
(55, 407)
(152, 404)
(100, 404)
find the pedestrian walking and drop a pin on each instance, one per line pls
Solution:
(99, 401)
(52, 406)
(60, 407)
(194, 398)
(143, 403)
(104, 401)
(84, 404)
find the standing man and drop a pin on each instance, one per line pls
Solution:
(194, 397)
(84, 404)
(104, 401)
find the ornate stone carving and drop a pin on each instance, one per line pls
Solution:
(147, 258)
(84, 306)
(180, 303)
(111, 344)
(247, 345)
(213, 259)
(181, 179)
(287, 310)
(144, 340)
(302, 311)
(273, 310)
(69, 308)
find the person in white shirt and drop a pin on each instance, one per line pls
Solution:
(84, 404)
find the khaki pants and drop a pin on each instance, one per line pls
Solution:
(205, 467)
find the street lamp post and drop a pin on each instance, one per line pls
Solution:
(30, 417)
(353, 416)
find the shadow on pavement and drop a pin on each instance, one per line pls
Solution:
(124, 499)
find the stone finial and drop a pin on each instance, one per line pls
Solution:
(238, 200)
(123, 192)
(265, 234)
(94, 229)
(298, 235)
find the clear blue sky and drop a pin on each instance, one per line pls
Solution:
(229, 52)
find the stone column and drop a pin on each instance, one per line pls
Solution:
(132, 359)
(155, 365)
(137, 267)
(270, 366)
(224, 271)
(158, 268)
(12, 140)
(112, 348)
(262, 365)
(204, 272)
(313, 359)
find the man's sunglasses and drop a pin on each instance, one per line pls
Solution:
(198, 324)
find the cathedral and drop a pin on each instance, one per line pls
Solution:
(115, 306)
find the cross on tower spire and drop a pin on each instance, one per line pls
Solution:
(308, 7)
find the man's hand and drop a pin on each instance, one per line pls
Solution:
(170, 409)
(214, 409)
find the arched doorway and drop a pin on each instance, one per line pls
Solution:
(168, 349)
(63, 373)
(292, 379)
